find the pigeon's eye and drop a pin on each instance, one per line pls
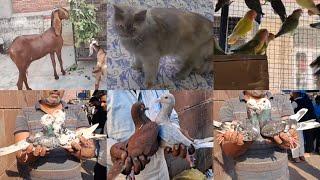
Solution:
(166, 97)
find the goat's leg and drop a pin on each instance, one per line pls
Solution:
(60, 62)
(54, 66)
(98, 79)
(25, 80)
(20, 80)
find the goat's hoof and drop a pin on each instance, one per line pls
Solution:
(63, 72)
(56, 77)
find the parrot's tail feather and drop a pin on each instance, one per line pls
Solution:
(233, 39)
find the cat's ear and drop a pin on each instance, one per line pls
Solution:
(118, 11)
(140, 16)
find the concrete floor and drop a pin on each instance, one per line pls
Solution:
(306, 170)
(40, 73)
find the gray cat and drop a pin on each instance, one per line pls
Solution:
(157, 32)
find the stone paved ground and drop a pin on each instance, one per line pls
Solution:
(306, 170)
(40, 73)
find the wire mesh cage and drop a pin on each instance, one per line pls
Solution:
(289, 56)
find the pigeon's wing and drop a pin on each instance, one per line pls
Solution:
(299, 114)
(172, 135)
(308, 125)
(87, 132)
(14, 148)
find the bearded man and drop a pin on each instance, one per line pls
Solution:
(58, 163)
(264, 152)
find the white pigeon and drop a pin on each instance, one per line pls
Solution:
(170, 132)
(54, 134)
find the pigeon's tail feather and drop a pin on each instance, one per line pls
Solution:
(203, 145)
(14, 148)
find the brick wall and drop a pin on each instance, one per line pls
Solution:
(25, 6)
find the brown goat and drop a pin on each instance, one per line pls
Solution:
(101, 67)
(27, 48)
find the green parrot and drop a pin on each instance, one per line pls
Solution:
(217, 50)
(308, 4)
(264, 48)
(291, 23)
(243, 27)
(253, 46)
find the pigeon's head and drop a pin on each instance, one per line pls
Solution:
(167, 99)
(138, 109)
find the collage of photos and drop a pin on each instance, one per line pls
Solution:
(159, 89)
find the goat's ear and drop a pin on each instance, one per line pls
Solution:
(57, 26)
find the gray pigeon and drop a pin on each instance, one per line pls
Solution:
(171, 134)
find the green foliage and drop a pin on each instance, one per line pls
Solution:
(83, 17)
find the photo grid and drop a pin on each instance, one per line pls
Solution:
(159, 89)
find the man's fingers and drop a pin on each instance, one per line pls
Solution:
(76, 146)
(43, 151)
(175, 150)
(234, 137)
(29, 149)
(143, 161)
(183, 151)
(240, 139)
(118, 153)
(127, 166)
(277, 139)
(136, 165)
(37, 151)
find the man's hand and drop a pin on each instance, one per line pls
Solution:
(31, 153)
(82, 150)
(232, 143)
(118, 153)
(231, 137)
(178, 150)
(287, 140)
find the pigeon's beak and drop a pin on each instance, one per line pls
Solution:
(146, 108)
(157, 100)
